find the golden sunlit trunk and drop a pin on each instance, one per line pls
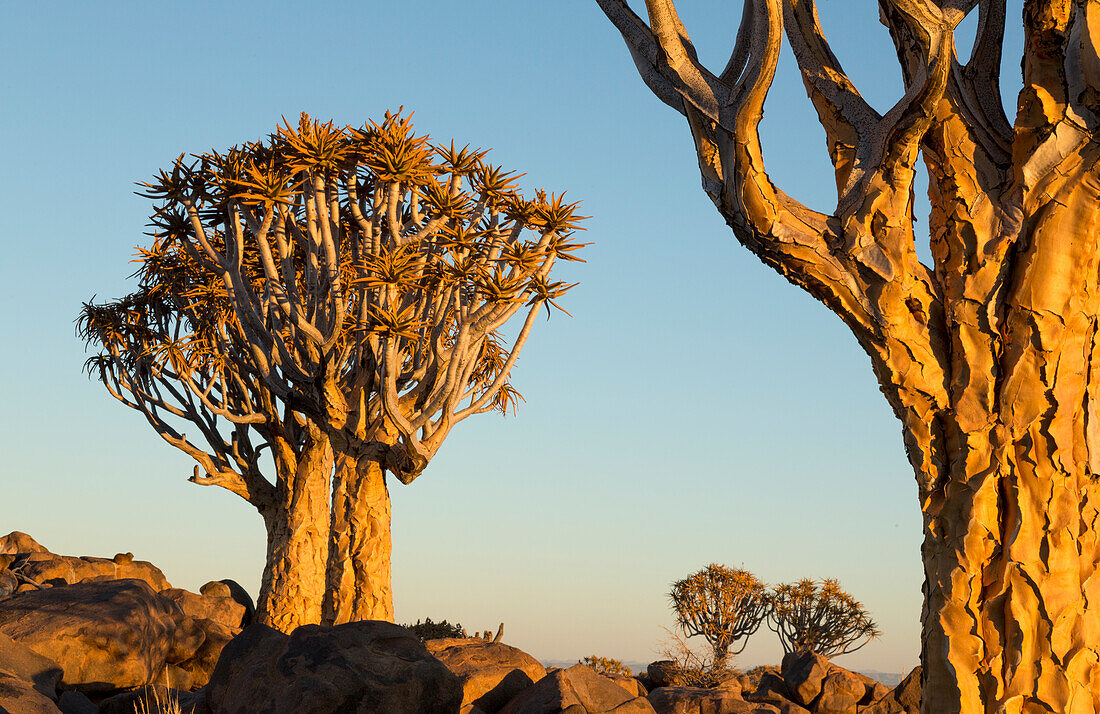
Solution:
(293, 585)
(1012, 526)
(988, 355)
(359, 577)
(1011, 621)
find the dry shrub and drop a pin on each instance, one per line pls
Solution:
(169, 705)
(606, 665)
(695, 666)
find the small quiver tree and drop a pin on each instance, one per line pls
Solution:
(371, 274)
(821, 618)
(722, 605)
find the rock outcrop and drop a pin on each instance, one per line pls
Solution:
(903, 699)
(111, 627)
(52, 569)
(806, 683)
(697, 700)
(579, 686)
(20, 697)
(491, 673)
(17, 542)
(662, 673)
(804, 673)
(21, 662)
(219, 607)
(105, 635)
(358, 666)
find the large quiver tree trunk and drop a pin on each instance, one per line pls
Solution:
(360, 548)
(989, 358)
(292, 589)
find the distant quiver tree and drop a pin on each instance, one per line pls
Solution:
(722, 605)
(340, 294)
(989, 355)
(819, 617)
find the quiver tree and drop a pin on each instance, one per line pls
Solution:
(366, 277)
(988, 357)
(819, 618)
(722, 605)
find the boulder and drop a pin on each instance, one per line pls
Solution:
(17, 542)
(20, 697)
(19, 661)
(105, 635)
(803, 672)
(9, 584)
(662, 673)
(841, 691)
(577, 689)
(491, 673)
(200, 665)
(772, 691)
(355, 667)
(731, 682)
(74, 702)
(632, 686)
(903, 699)
(698, 700)
(155, 699)
(50, 569)
(237, 593)
(750, 680)
(875, 691)
(220, 608)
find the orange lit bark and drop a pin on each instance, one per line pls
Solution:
(989, 357)
(359, 574)
(293, 584)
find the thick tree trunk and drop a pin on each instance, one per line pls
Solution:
(293, 585)
(359, 582)
(1012, 528)
(1011, 622)
(990, 356)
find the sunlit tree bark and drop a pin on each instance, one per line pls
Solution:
(989, 357)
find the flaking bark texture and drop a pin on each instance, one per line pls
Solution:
(292, 589)
(989, 357)
(359, 563)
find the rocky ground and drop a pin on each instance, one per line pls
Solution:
(84, 635)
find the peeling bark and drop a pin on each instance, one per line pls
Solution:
(989, 357)
(359, 574)
(293, 584)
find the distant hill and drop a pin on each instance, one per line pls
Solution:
(890, 679)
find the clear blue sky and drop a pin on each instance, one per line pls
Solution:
(696, 408)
